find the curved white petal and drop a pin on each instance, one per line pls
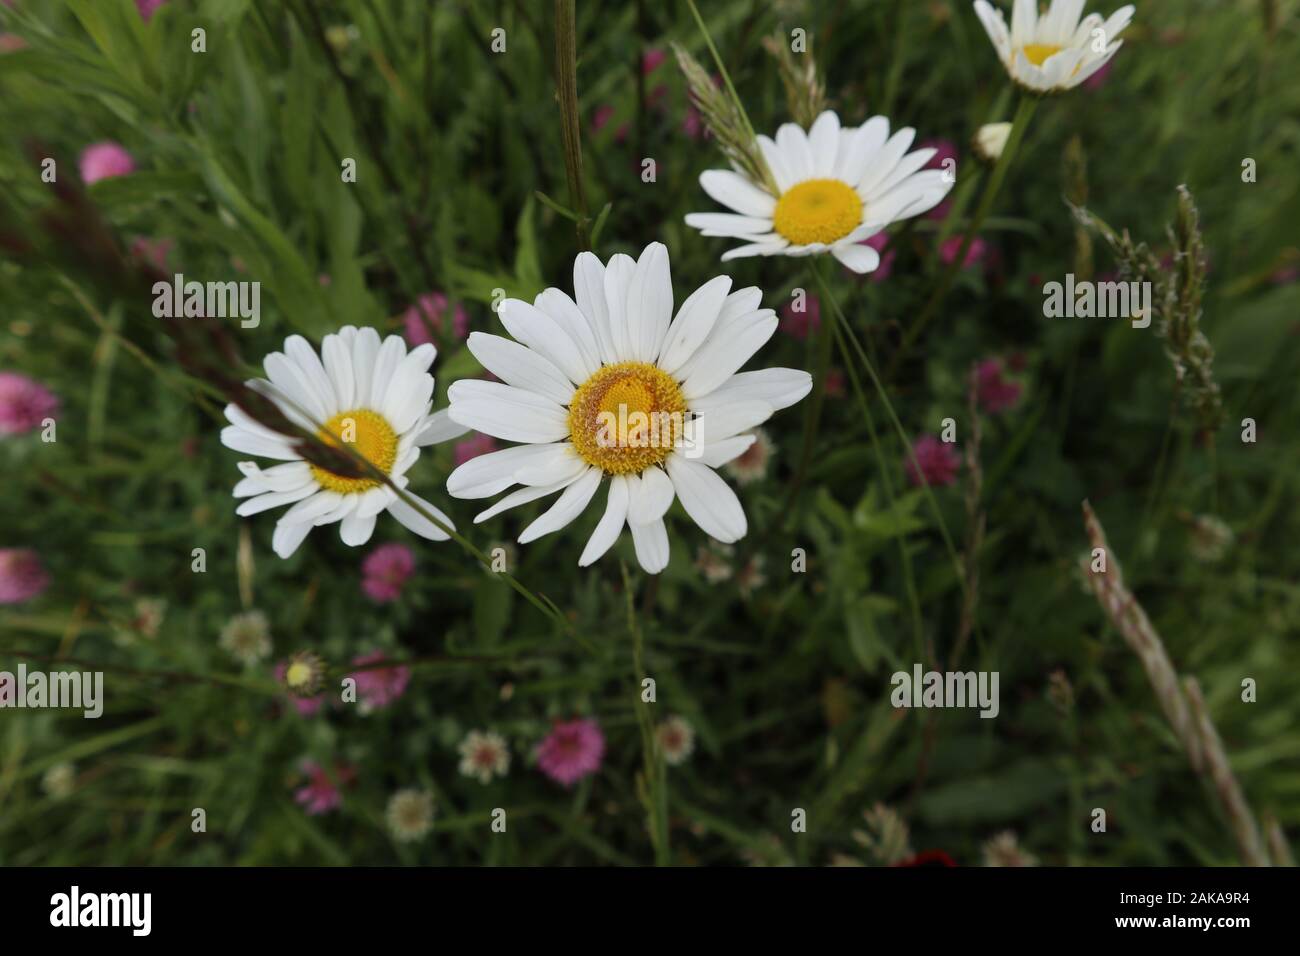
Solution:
(520, 366)
(568, 506)
(707, 499)
(610, 524)
(649, 498)
(414, 521)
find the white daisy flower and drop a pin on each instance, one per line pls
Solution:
(372, 396)
(609, 386)
(1055, 51)
(837, 186)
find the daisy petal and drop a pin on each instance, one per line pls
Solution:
(707, 499)
(610, 524)
(568, 506)
(355, 531)
(736, 192)
(721, 356)
(414, 521)
(650, 497)
(520, 366)
(857, 257)
(777, 387)
(651, 543)
(439, 427)
(695, 320)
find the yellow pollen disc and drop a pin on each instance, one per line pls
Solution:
(297, 674)
(818, 210)
(365, 433)
(626, 417)
(1037, 53)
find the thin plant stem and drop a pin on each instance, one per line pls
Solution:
(898, 425)
(566, 88)
(654, 778)
(991, 188)
(812, 423)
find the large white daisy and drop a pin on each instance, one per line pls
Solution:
(613, 386)
(373, 396)
(836, 187)
(1055, 51)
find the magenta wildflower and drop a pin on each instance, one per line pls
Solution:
(572, 750)
(428, 317)
(321, 794)
(385, 570)
(952, 245)
(24, 403)
(480, 444)
(800, 324)
(22, 576)
(944, 149)
(147, 8)
(880, 242)
(601, 116)
(152, 252)
(104, 160)
(651, 59)
(993, 392)
(938, 461)
(379, 686)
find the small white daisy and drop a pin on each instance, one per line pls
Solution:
(837, 187)
(676, 739)
(1055, 51)
(609, 386)
(247, 637)
(484, 755)
(372, 396)
(410, 815)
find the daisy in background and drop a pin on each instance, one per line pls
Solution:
(373, 397)
(834, 189)
(484, 755)
(609, 387)
(676, 739)
(1055, 51)
(410, 815)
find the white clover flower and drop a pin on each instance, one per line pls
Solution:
(484, 755)
(247, 637)
(410, 815)
(372, 397)
(990, 139)
(609, 386)
(676, 739)
(1055, 51)
(837, 187)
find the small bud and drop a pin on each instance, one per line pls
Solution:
(990, 139)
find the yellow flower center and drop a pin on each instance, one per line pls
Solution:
(626, 417)
(298, 674)
(818, 210)
(365, 433)
(1037, 53)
